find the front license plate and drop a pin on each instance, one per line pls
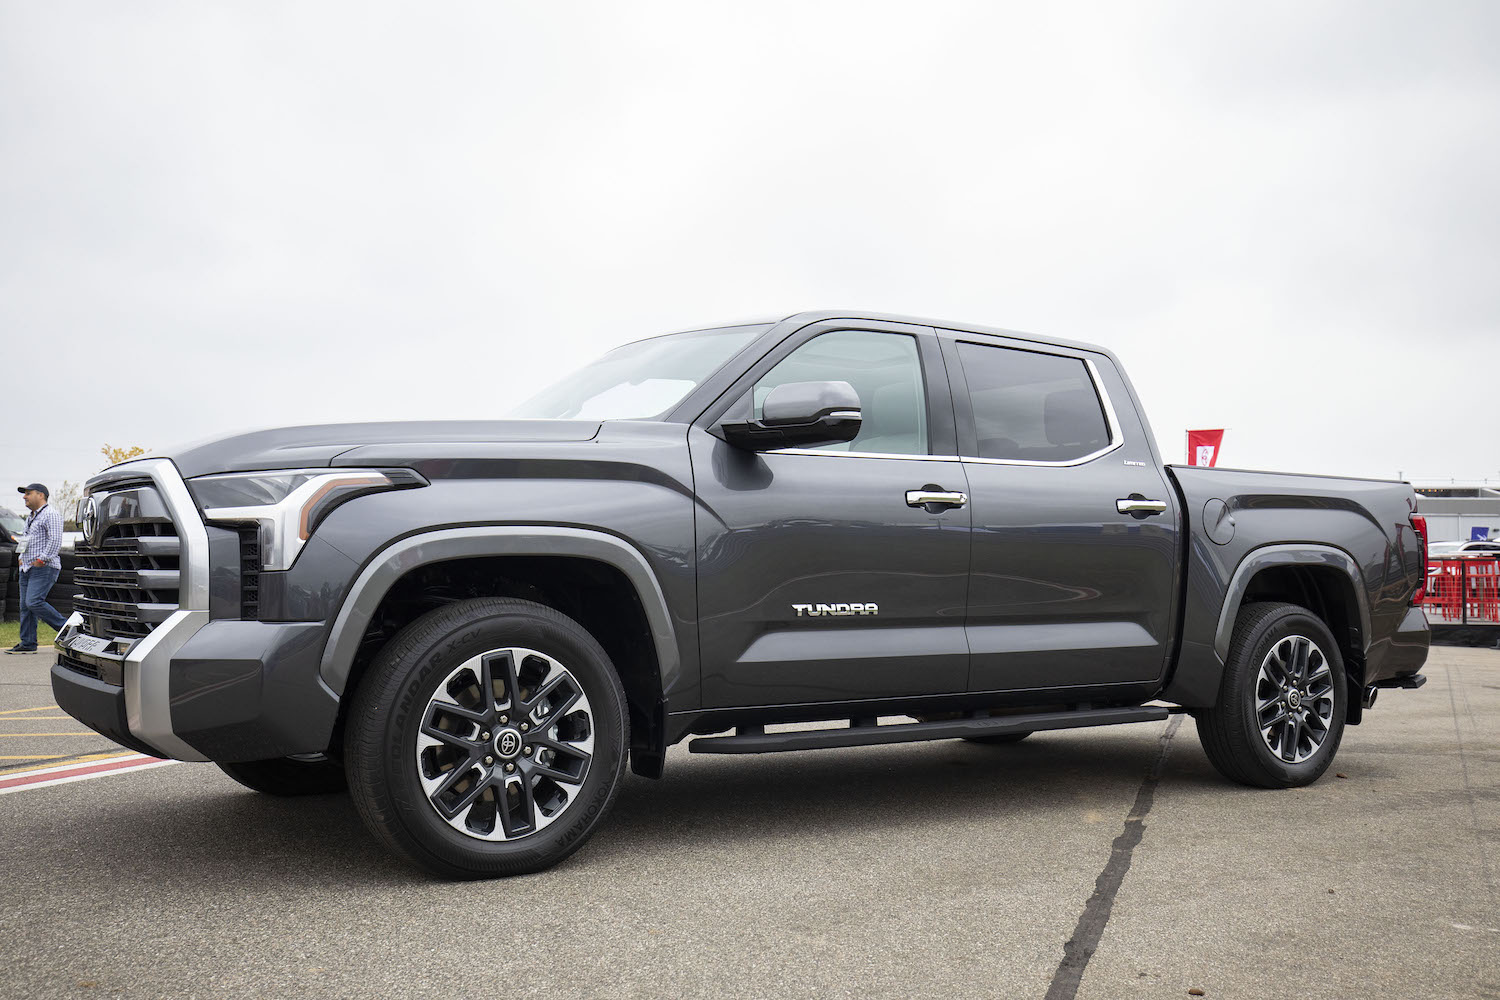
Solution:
(88, 644)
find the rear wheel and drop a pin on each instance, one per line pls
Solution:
(488, 738)
(1282, 702)
(304, 774)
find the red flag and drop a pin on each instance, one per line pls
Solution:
(1203, 447)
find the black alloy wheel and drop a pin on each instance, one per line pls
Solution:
(505, 766)
(488, 738)
(1282, 701)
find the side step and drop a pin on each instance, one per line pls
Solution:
(865, 732)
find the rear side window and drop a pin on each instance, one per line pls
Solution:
(1031, 407)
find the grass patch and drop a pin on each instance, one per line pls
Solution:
(10, 634)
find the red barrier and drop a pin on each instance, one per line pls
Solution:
(1463, 591)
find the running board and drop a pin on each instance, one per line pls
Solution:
(866, 732)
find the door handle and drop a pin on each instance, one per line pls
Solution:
(1140, 506)
(921, 498)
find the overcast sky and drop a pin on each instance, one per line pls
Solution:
(1283, 217)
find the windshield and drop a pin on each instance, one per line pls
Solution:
(640, 380)
(12, 523)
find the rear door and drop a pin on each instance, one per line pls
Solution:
(1075, 526)
(817, 579)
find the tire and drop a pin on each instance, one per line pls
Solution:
(995, 740)
(313, 774)
(1277, 649)
(467, 786)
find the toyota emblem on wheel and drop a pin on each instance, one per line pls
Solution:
(509, 743)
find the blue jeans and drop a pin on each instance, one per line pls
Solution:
(36, 583)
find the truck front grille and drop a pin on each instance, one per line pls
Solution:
(73, 663)
(111, 671)
(129, 581)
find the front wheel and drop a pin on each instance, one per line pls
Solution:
(489, 738)
(1282, 702)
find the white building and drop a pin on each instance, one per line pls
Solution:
(1455, 511)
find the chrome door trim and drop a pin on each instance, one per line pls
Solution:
(1116, 435)
(861, 454)
(919, 498)
(1140, 506)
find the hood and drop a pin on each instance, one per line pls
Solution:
(320, 444)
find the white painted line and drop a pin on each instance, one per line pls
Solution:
(68, 765)
(61, 774)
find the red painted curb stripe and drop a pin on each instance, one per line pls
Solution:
(76, 772)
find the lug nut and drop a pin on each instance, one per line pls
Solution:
(489, 760)
(504, 719)
(484, 736)
(510, 767)
(524, 727)
(526, 751)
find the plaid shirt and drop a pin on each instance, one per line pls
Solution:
(44, 531)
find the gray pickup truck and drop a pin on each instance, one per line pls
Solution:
(827, 531)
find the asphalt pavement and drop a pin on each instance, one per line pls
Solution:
(1101, 863)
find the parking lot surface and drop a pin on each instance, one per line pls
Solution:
(1098, 863)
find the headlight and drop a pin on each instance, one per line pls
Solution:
(288, 504)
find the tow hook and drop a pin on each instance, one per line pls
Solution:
(1369, 698)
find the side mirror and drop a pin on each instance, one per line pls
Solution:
(797, 414)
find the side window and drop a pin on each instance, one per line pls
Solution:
(883, 368)
(1032, 407)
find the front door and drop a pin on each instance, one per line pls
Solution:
(1067, 588)
(817, 580)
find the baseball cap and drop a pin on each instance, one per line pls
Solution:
(35, 486)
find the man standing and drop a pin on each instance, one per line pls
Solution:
(40, 565)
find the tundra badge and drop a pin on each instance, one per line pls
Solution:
(814, 610)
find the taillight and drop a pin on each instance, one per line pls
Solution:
(1419, 525)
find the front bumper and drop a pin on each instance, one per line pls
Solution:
(196, 689)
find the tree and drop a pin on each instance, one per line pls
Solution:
(64, 500)
(114, 456)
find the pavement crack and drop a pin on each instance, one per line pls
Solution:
(1090, 928)
(1463, 766)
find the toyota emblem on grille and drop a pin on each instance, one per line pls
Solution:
(88, 518)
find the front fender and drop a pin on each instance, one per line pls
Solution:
(401, 557)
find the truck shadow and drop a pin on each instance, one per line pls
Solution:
(705, 804)
(912, 787)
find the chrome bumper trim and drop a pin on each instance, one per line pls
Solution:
(148, 694)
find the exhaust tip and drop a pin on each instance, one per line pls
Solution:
(1369, 699)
